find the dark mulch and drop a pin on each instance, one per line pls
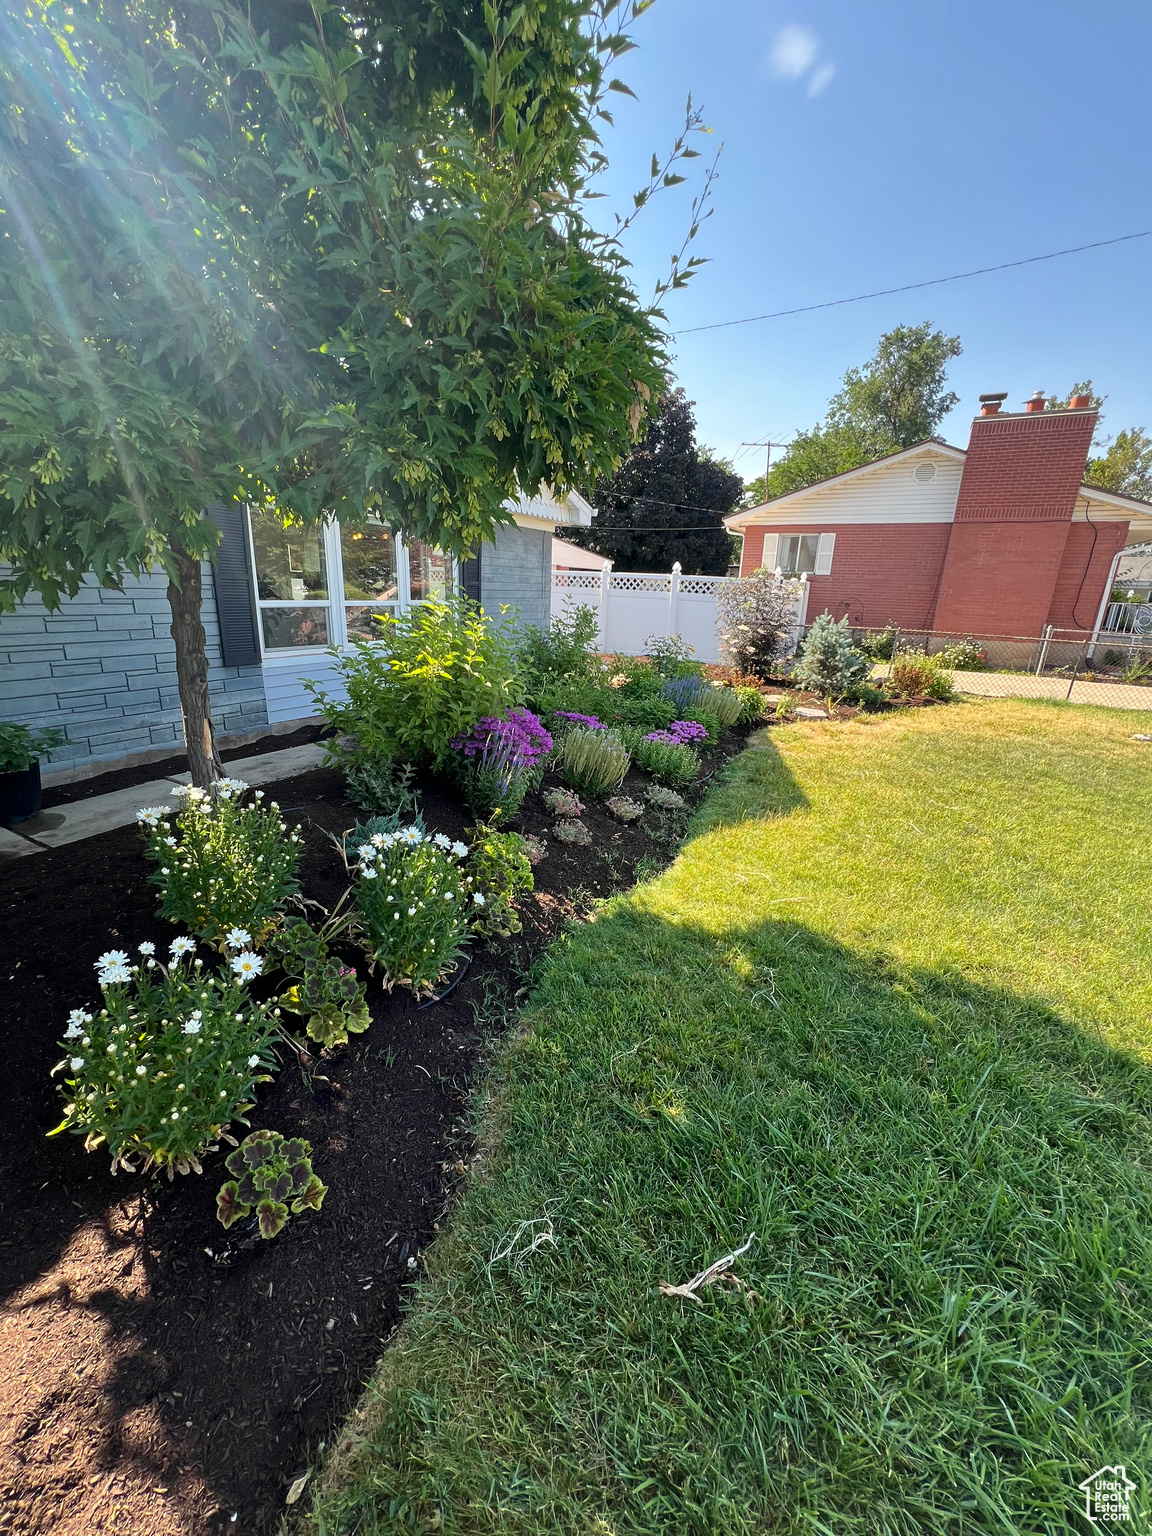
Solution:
(145, 1389)
(144, 773)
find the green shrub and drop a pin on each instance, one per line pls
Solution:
(751, 704)
(755, 619)
(878, 644)
(20, 747)
(647, 713)
(914, 675)
(668, 762)
(671, 656)
(565, 650)
(1113, 658)
(328, 995)
(594, 761)
(223, 862)
(170, 1060)
(501, 872)
(382, 786)
(829, 664)
(272, 1176)
(414, 905)
(433, 673)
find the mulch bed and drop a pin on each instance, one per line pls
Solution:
(144, 1388)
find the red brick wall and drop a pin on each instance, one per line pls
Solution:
(881, 572)
(1087, 559)
(1013, 512)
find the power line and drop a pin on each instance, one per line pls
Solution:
(932, 282)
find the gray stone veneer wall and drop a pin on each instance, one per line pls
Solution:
(517, 570)
(102, 667)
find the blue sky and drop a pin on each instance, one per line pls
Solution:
(871, 145)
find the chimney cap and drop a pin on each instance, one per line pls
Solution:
(985, 398)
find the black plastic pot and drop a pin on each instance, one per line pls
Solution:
(19, 794)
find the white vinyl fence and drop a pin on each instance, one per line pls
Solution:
(632, 606)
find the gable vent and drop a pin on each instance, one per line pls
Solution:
(924, 472)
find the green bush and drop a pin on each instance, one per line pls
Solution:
(382, 786)
(428, 679)
(914, 675)
(829, 664)
(751, 704)
(595, 761)
(647, 712)
(963, 656)
(414, 904)
(878, 644)
(223, 862)
(566, 649)
(666, 762)
(269, 1171)
(501, 873)
(170, 1060)
(671, 656)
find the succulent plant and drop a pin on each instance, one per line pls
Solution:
(562, 802)
(574, 832)
(624, 808)
(666, 799)
(272, 1175)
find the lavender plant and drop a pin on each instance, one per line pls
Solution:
(415, 904)
(222, 862)
(169, 1061)
(501, 759)
(594, 761)
(271, 1175)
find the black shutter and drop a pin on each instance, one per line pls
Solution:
(235, 596)
(470, 576)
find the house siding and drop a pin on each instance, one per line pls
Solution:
(103, 669)
(516, 572)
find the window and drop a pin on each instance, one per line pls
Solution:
(797, 553)
(331, 584)
(291, 573)
(371, 583)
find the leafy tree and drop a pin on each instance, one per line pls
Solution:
(898, 398)
(1125, 467)
(666, 501)
(330, 260)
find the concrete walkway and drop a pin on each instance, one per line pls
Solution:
(104, 813)
(1022, 685)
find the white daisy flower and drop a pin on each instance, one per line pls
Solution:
(76, 1063)
(247, 965)
(411, 911)
(111, 975)
(369, 874)
(170, 842)
(229, 787)
(253, 1061)
(111, 957)
(73, 1032)
(151, 814)
(181, 946)
(366, 852)
(442, 841)
(477, 899)
(192, 1027)
(237, 938)
(78, 1017)
(378, 839)
(147, 948)
(460, 850)
(411, 835)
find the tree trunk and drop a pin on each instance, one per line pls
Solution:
(184, 596)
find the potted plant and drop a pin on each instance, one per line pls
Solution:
(20, 750)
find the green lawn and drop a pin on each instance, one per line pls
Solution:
(890, 1011)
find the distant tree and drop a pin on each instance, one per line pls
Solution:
(1126, 465)
(666, 502)
(898, 398)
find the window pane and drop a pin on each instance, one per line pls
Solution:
(369, 555)
(285, 629)
(364, 623)
(431, 572)
(798, 553)
(289, 561)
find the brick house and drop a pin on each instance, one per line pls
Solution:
(998, 539)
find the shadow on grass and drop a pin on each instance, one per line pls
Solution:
(949, 1287)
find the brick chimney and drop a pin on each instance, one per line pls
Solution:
(1017, 494)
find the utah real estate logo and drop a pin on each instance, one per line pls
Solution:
(1108, 1495)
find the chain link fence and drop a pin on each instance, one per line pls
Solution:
(1114, 669)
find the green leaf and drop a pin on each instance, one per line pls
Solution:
(229, 1207)
(272, 1217)
(313, 1196)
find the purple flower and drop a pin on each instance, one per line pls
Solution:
(680, 733)
(505, 746)
(589, 721)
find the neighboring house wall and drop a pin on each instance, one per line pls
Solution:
(102, 668)
(1084, 568)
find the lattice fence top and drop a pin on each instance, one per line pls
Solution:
(578, 581)
(703, 586)
(636, 581)
(629, 581)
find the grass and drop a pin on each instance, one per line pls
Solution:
(889, 1011)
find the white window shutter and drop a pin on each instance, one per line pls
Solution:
(824, 554)
(771, 545)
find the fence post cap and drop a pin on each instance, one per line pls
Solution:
(676, 567)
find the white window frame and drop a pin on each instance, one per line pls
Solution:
(335, 605)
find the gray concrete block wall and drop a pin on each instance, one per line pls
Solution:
(103, 669)
(517, 570)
